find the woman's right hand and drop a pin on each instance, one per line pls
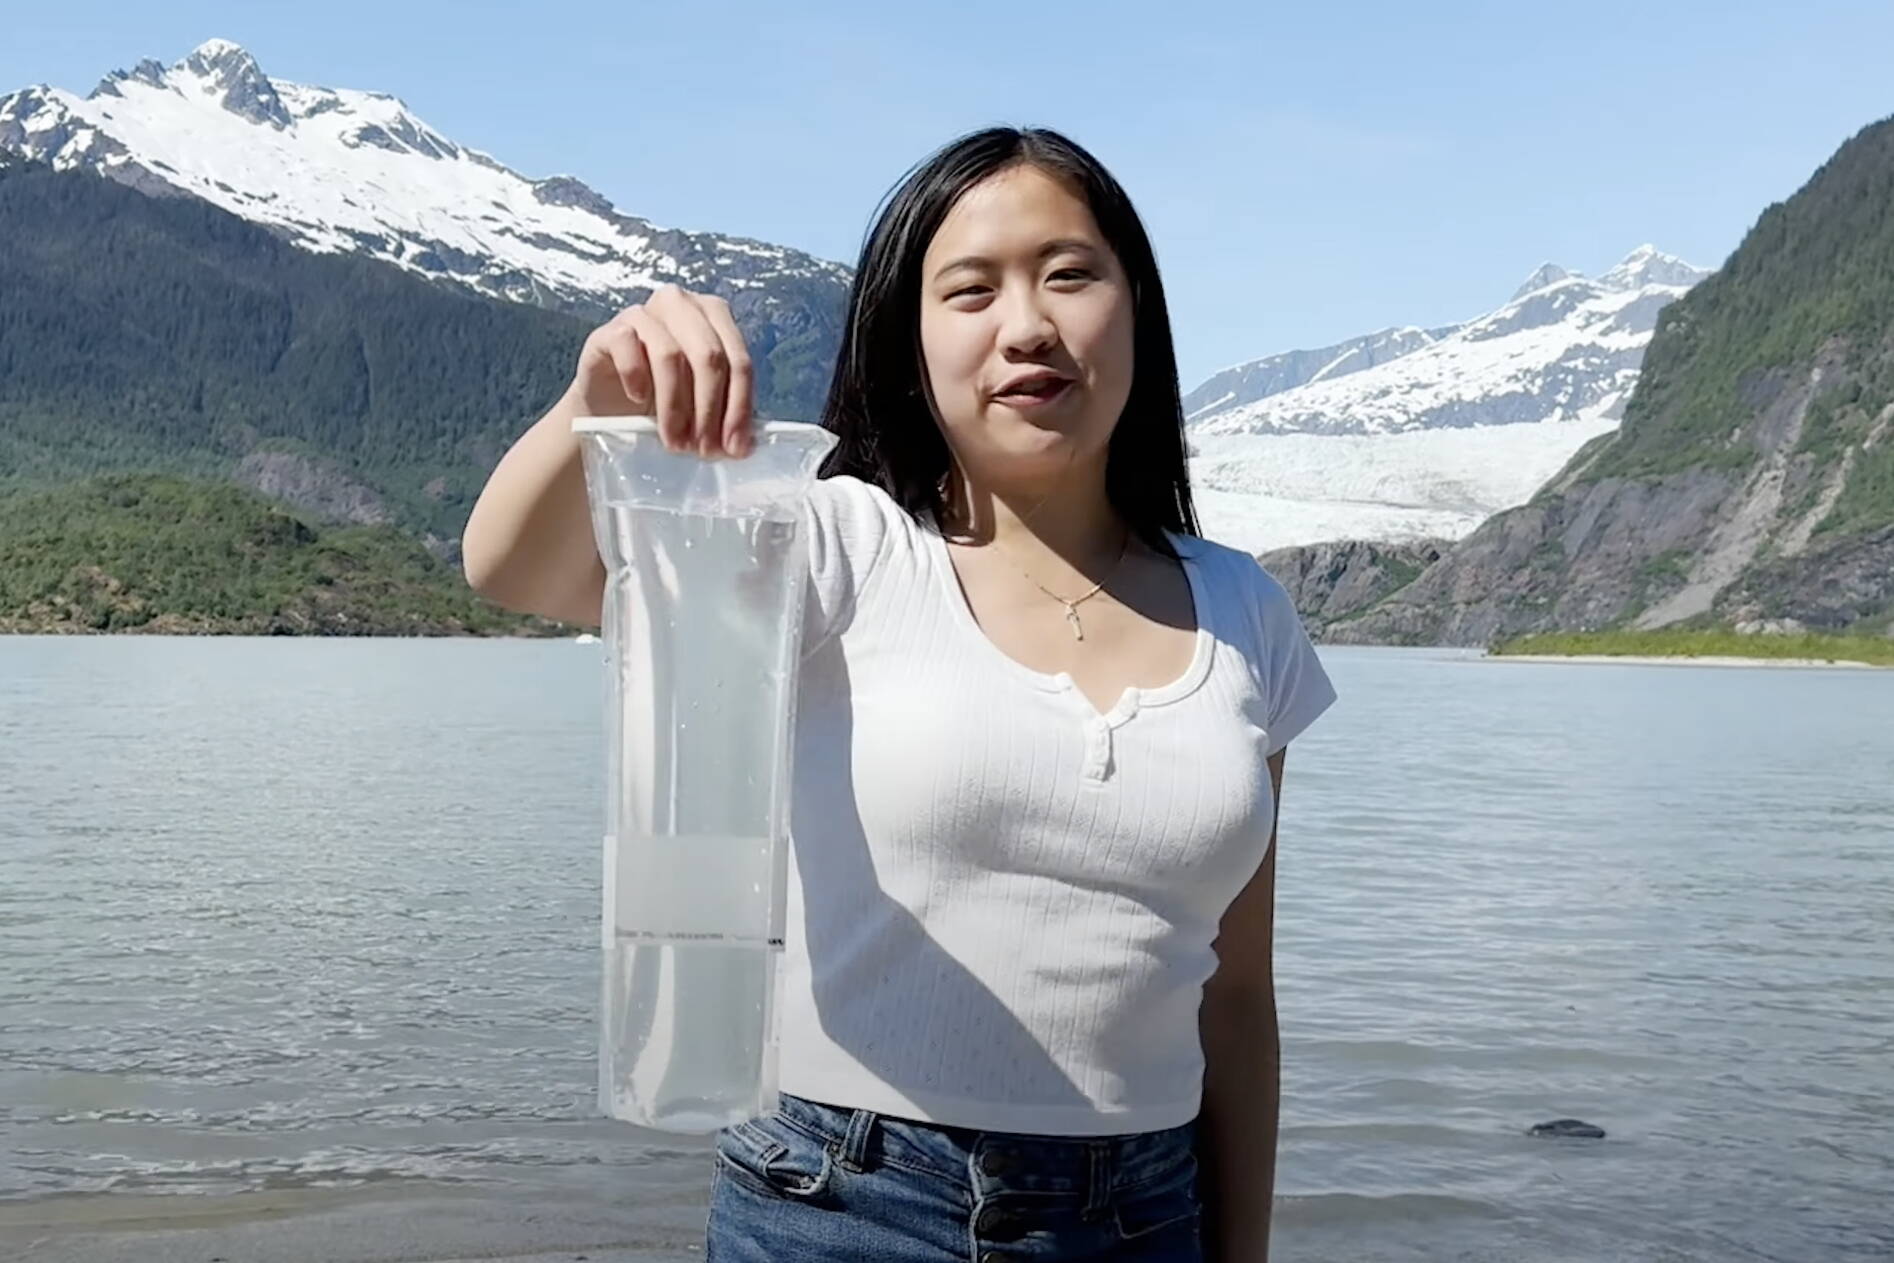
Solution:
(678, 356)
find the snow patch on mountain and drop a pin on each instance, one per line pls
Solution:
(1246, 383)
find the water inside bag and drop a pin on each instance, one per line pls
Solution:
(702, 619)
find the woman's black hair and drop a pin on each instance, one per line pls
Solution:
(879, 407)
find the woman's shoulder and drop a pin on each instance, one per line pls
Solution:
(849, 493)
(1229, 564)
(855, 531)
(854, 510)
(1277, 642)
(1240, 578)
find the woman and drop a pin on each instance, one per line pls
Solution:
(1028, 1008)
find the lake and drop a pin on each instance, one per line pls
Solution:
(315, 924)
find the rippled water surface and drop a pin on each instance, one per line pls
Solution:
(281, 914)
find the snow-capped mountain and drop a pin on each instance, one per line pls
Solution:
(342, 170)
(1259, 379)
(1401, 433)
(1429, 440)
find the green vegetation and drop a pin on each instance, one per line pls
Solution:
(1703, 643)
(1669, 567)
(155, 345)
(1401, 571)
(166, 335)
(1838, 426)
(1867, 500)
(158, 553)
(1815, 271)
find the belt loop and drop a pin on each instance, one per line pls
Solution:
(854, 1151)
(1098, 1194)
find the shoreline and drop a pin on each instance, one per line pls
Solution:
(1685, 660)
(400, 1223)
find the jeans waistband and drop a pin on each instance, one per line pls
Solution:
(1099, 1165)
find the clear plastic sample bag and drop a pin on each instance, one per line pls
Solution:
(702, 627)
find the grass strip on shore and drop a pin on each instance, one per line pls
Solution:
(1706, 643)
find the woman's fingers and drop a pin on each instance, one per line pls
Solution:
(630, 364)
(681, 359)
(684, 318)
(671, 401)
(614, 376)
(734, 426)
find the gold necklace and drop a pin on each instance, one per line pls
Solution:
(1072, 606)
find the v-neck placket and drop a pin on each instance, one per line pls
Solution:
(1100, 727)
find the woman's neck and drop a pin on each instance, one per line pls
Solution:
(1072, 517)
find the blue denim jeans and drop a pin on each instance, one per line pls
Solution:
(826, 1184)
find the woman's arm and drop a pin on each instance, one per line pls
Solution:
(528, 544)
(1236, 1146)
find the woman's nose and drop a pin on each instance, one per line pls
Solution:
(1025, 327)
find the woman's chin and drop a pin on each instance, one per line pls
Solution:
(1059, 428)
(1021, 453)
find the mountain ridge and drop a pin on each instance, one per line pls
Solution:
(345, 170)
(166, 334)
(1752, 481)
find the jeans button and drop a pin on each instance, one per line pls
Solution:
(992, 1256)
(996, 1162)
(991, 1220)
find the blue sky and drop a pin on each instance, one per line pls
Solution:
(1308, 172)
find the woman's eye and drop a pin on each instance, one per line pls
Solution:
(1076, 273)
(969, 289)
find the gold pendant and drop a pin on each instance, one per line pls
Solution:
(1072, 617)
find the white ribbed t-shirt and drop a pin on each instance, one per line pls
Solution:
(1002, 901)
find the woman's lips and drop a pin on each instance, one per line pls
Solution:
(1035, 399)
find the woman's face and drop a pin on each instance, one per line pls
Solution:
(1026, 330)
